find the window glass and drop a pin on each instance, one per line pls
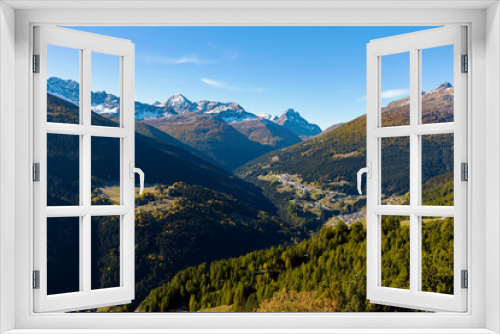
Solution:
(105, 87)
(63, 88)
(437, 84)
(437, 254)
(395, 171)
(395, 252)
(105, 162)
(437, 170)
(63, 170)
(105, 252)
(395, 89)
(63, 255)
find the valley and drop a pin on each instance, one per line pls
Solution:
(253, 213)
(319, 203)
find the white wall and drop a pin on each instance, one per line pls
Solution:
(492, 164)
(7, 162)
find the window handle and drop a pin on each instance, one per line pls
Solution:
(139, 171)
(368, 171)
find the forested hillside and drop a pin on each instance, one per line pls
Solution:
(324, 273)
(182, 225)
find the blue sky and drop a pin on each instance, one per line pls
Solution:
(318, 71)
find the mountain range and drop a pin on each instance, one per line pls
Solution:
(162, 158)
(108, 105)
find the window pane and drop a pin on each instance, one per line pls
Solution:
(105, 252)
(63, 255)
(395, 171)
(63, 89)
(63, 170)
(395, 89)
(105, 98)
(437, 170)
(437, 254)
(437, 84)
(396, 252)
(105, 171)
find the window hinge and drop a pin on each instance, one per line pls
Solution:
(465, 279)
(465, 64)
(36, 279)
(36, 172)
(36, 63)
(464, 171)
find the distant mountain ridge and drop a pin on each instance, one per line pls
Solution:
(108, 104)
(229, 112)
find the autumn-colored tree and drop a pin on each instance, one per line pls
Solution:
(293, 301)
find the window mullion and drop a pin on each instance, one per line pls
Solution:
(85, 161)
(85, 87)
(81, 256)
(85, 273)
(415, 171)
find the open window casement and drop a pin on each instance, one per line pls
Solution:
(64, 240)
(420, 283)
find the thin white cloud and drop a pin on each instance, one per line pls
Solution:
(187, 59)
(212, 82)
(392, 93)
(229, 54)
(389, 94)
(222, 85)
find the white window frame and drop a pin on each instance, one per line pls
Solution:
(413, 44)
(86, 44)
(483, 247)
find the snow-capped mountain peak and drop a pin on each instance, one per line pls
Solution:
(268, 117)
(292, 120)
(178, 104)
(291, 114)
(158, 104)
(68, 90)
(104, 103)
(229, 112)
(442, 88)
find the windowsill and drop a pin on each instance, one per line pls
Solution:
(253, 331)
